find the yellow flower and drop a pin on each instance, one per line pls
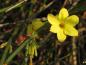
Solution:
(63, 24)
(36, 24)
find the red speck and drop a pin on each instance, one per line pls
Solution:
(21, 38)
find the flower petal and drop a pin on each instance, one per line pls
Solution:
(70, 30)
(54, 29)
(72, 20)
(63, 14)
(60, 35)
(52, 19)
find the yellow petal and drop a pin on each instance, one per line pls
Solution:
(52, 19)
(63, 14)
(60, 35)
(54, 29)
(72, 20)
(37, 23)
(70, 30)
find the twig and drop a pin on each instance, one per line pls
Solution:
(74, 57)
(82, 29)
(73, 5)
(64, 4)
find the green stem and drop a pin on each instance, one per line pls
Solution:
(14, 6)
(9, 8)
(7, 47)
(17, 51)
(4, 55)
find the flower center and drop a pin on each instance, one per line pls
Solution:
(62, 25)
